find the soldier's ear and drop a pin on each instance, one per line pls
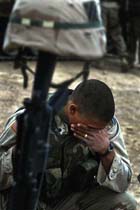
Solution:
(72, 109)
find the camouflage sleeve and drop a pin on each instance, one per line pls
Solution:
(119, 177)
(7, 142)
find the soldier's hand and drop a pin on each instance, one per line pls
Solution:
(96, 139)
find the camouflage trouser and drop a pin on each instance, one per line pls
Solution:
(97, 199)
(112, 24)
(134, 38)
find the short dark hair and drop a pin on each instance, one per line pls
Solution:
(94, 99)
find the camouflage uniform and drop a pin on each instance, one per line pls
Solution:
(76, 179)
(134, 20)
(111, 19)
(110, 14)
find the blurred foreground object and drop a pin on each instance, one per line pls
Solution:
(64, 27)
(5, 9)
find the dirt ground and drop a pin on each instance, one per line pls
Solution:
(125, 87)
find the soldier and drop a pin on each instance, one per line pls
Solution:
(88, 166)
(134, 19)
(111, 20)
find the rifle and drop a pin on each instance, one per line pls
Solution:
(32, 133)
(30, 159)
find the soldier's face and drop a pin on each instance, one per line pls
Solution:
(92, 123)
(75, 117)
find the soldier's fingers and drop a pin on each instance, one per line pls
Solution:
(83, 136)
(87, 128)
(87, 140)
(81, 127)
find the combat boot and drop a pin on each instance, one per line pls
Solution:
(124, 65)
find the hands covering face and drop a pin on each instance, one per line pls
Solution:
(96, 139)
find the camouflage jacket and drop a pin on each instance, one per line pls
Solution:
(69, 156)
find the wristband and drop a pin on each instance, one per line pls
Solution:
(109, 149)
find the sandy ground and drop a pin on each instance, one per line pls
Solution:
(125, 87)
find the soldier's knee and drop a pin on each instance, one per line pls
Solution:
(125, 201)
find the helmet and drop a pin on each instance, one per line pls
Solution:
(63, 27)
